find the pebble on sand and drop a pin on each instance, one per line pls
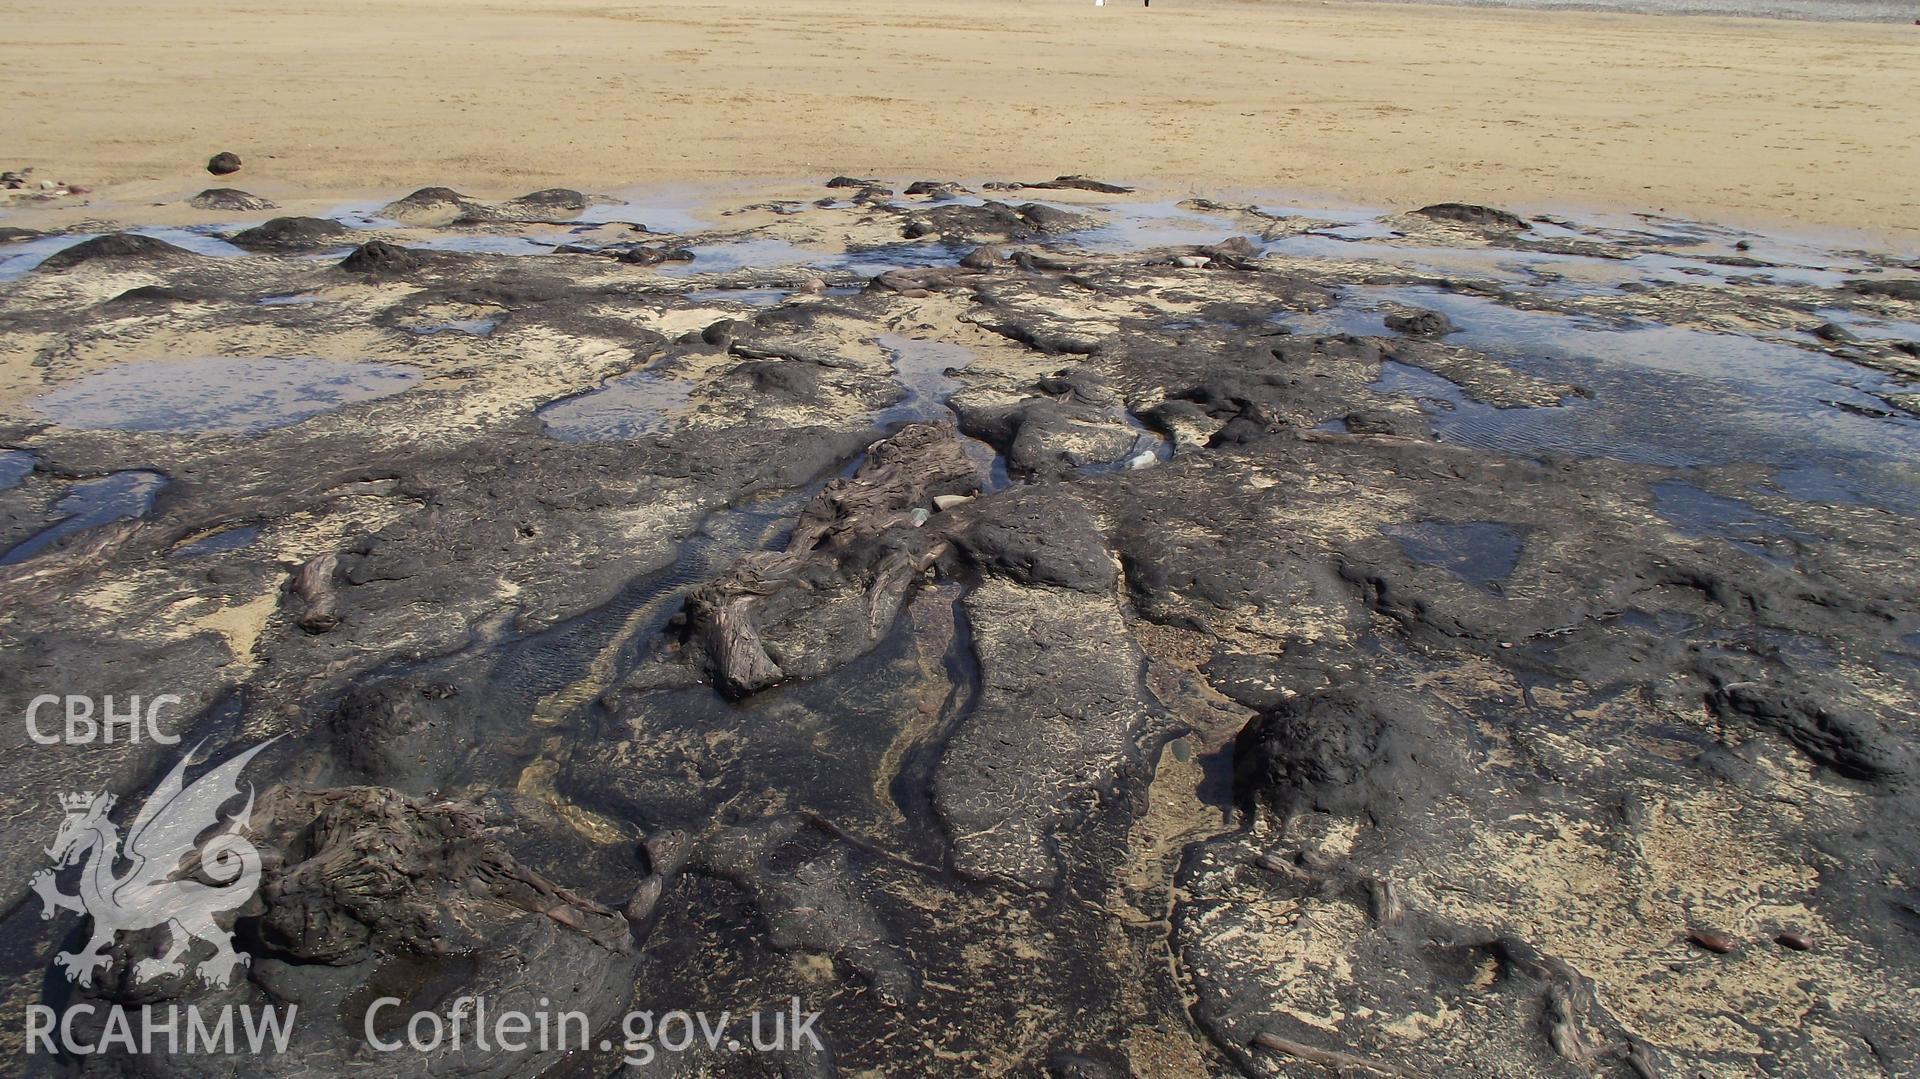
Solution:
(1712, 940)
(224, 163)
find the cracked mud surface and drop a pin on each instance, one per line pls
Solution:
(1043, 631)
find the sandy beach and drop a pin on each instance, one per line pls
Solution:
(1740, 120)
(1232, 538)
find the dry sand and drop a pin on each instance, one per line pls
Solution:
(1744, 121)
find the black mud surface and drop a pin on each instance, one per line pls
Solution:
(1084, 638)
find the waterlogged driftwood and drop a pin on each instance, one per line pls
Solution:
(855, 551)
(313, 583)
(730, 636)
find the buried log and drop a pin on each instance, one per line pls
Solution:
(1642, 1061)
(76, 556)
(645, 898)
(1384, 904)
(1331, 1058)
(1284, 868)
(1565, 999)
(313, 583)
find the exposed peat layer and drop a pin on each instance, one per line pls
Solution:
(1040, 631)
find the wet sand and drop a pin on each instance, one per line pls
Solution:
(1748, 121)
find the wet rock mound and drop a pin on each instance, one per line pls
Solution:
(399, 732)
(1419, 322)
(1463, 213)
(378, 258)
(428, 204)
(115, 247)
(229, 198)
(1041, 539)
(554, 202)
(1899, 288)
(995, 221)
(1854, 744)
(1347, 750)
(291, 234)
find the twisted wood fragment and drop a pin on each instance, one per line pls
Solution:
(852, 531)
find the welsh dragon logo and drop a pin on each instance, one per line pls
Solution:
(160, 851)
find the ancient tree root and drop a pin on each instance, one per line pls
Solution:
(860, 531)
(1328, 1057)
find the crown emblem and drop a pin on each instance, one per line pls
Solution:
(81, 800)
